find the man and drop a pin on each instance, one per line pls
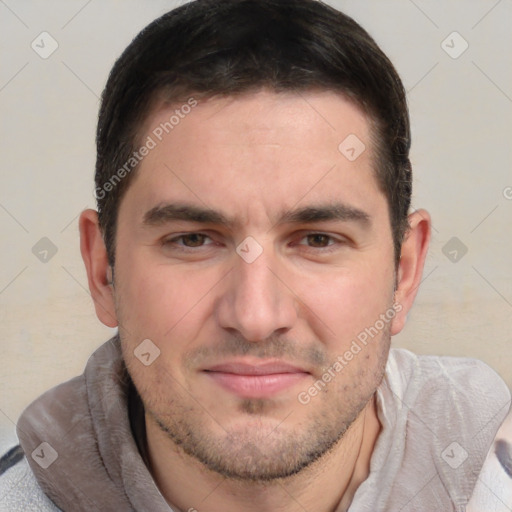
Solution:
(254, 246)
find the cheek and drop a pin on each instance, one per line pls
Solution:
(162, 301)
(158, 303)
(346, 303)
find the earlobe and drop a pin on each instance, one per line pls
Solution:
(99, 272)
(410, 269)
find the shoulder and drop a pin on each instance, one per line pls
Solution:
(19, 490)
(450, 410)
(450, 379)
(455, 398)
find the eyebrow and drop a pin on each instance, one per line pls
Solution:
(338, 211)
(162, 214)
(170, 212)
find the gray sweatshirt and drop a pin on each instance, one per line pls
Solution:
(83, 446)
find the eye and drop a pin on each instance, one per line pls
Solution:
(193, 239)
(318, 240)
(317, 244)
(187, 240)
(321, 241)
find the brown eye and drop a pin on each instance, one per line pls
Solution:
(318, 240)
(193, 239)
(186, 241)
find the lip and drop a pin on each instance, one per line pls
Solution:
(256, 380)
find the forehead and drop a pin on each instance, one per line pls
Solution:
(259, 117)
(274, 148)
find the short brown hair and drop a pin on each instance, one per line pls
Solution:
(230, 47)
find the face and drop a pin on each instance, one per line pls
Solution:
(254, 255)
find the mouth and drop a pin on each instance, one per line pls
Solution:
(256, 380)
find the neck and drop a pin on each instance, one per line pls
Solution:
(328, 485)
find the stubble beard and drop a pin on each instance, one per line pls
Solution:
(261, 449)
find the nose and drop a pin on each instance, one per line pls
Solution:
(256, 301)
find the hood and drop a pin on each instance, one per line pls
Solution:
(79, 444)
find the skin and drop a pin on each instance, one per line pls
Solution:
(302, 301)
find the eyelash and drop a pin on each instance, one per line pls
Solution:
(332, 241)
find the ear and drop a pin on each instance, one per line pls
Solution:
(410, 269)
(99, 273)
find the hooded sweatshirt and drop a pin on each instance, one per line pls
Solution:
(83, 444)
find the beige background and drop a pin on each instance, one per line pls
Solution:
(461, 111)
